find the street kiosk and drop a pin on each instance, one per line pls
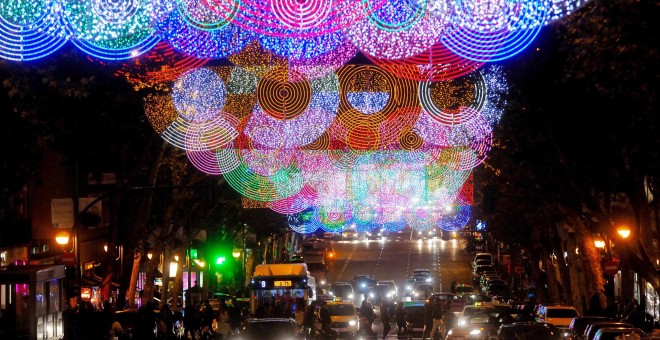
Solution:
(31, 302)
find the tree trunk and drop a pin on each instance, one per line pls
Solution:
(176, 290)
(167, 254)
(130, 291)
(152, 266)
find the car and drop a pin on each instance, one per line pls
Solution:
(463, 289)
(384, 290)
(558, 315)
(447, 235)
(483, 262)
(129, 318)
(593, 327)
(375, 234)
(580, 323)
(349, 235)
(482, 325)
(421, 290)
(269, 329)
(470, 310)
(344, 318)
(363, 283)
(456, 303)
(528, 330)
(619, 333)
(414, 317)
(497, 288)
(478, 270)
(342, 290)
(483, 256)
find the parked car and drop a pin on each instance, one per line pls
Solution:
(593, 327)
(580, 323)
(614, 333)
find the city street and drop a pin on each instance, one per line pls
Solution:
(395, 260)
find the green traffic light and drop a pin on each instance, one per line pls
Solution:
(220, 260)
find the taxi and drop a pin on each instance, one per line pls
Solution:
(344, 318)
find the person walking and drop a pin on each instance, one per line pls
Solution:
(438, 326)
(428, 319)
(326, 321)
(400, 317)
(385, 317)
(235, 315)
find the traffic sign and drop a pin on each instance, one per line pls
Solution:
(68, 259)
(611, 267)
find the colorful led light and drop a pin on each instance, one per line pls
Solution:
(29, 30)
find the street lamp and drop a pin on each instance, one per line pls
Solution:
(599, 242)
(623, 231)
(62, 238)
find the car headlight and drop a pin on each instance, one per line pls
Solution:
(408, 287)
(419, 233)
(416, 294)
(350, 296)
(389, 294)
(461, 322)
(371, 294)
(428, 279)
(430, 232)
(475, 332)
(362, 285)
(352, 323)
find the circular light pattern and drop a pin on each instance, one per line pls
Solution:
(113, 30)
(495, 32)
(213, 44)
(199, 15)
(455, 101)
(199, 95)
(29, 30)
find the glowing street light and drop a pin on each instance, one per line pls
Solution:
(599, 242)
(623, 231)
(62, 238)
(236, 253)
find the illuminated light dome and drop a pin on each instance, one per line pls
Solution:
(113, 30)
(302, 48)
(204, 161)
(198, 95)
(360, 112)
(456, 219)
(160, 65)
(373, 39)
(296, 18)
(253, 186)
(300, 110)
(29, 30)
(294, 204)
(437, 63)
(212, 134)
(396, 15)
(205, 44)
(495, 32)
(455, 101)
(198, 14)
(304, 222)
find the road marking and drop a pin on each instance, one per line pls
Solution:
(348, 259)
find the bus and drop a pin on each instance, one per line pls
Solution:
(283, 282)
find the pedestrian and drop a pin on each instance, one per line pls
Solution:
(190, 324)
(235, 315)
(400, 317)
(224, 321)
(326, 320)
(207, 315)
(428, 319)
(308, 320)
(438, 326)
(385, 317)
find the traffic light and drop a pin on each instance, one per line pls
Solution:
(220, 260)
